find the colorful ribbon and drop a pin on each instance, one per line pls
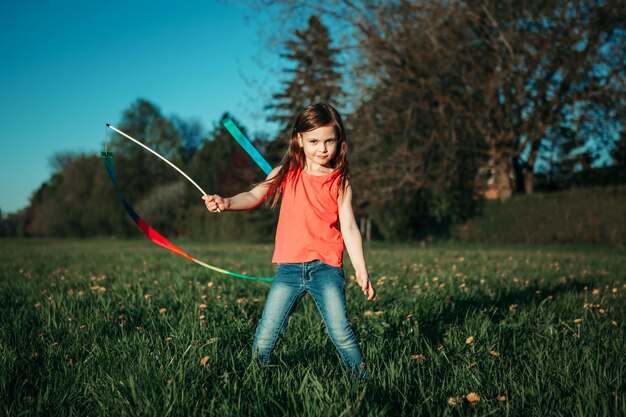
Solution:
(245, 143)
(156, 237)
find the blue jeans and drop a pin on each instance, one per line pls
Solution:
(326, 284)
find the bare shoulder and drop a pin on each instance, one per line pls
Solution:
(271, 176)
(273, 172)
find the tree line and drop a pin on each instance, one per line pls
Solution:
(440, 99)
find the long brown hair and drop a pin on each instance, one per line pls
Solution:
(312, 117)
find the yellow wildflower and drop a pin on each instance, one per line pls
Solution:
(472, 397)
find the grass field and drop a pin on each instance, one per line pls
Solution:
(125, 328)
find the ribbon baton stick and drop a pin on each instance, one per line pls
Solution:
(155, 153)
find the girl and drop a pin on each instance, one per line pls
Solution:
(316, 195)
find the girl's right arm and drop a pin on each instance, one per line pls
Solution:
(242, 201)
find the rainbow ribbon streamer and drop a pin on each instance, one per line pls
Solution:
(156, 237)
(244, 142)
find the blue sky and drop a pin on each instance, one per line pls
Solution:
(69, 67)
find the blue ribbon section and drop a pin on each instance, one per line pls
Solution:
(245, 143)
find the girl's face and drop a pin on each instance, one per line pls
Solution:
(319, 146)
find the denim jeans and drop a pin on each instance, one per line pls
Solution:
(326, 284)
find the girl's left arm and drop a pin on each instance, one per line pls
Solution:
(354, 244)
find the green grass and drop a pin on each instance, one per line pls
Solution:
(82, 332)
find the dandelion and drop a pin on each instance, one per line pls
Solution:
(469, 340)
(454, 401)
(418, 357)
(204, 361)
(472, 397)
(163, 310)
(501, 398)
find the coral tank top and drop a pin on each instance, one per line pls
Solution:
(308, 220)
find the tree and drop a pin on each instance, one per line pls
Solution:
(191, 135)
(77, 201)
(314, 77)
(510, 71)
(619, 152)
(138, 169)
